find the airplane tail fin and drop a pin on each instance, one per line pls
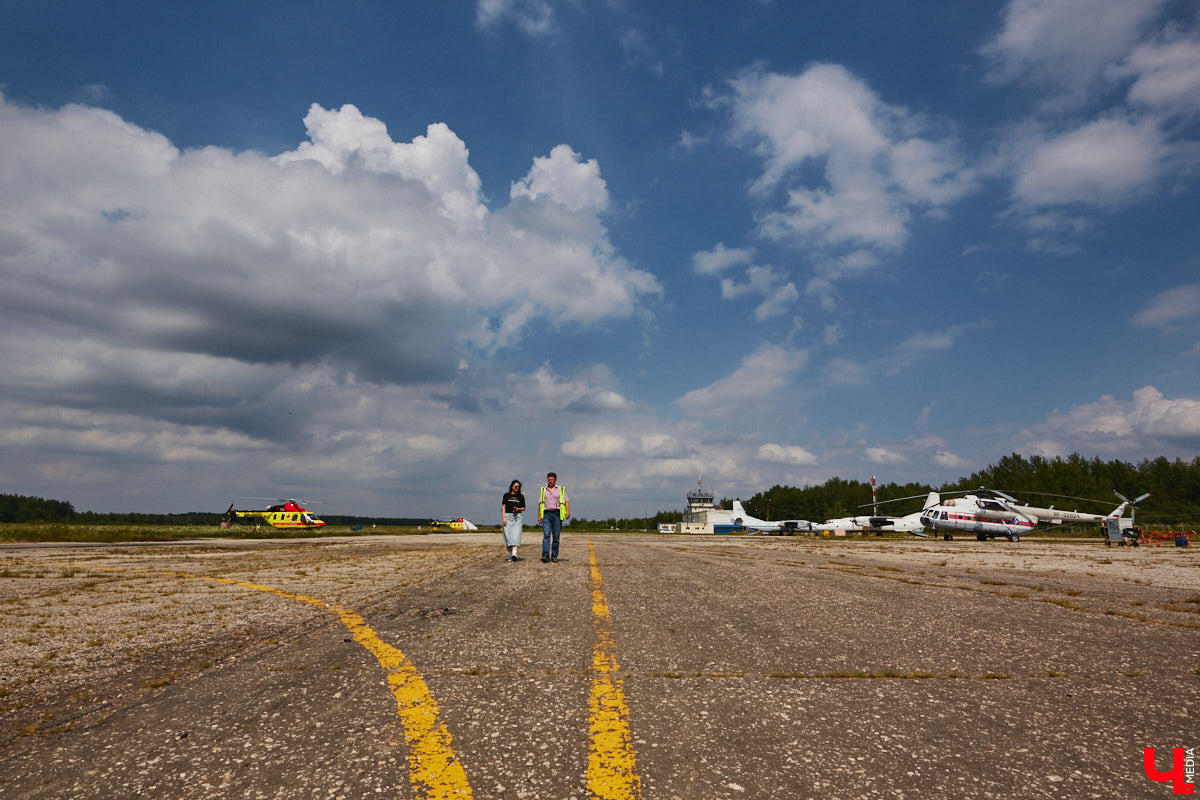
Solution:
(931, 501)
(738, 510)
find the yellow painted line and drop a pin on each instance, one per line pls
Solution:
(434, 770)
(612, 770)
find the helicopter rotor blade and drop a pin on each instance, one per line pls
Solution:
(1131, 502)
(894, 500)
(917, 496)
(1063, 496)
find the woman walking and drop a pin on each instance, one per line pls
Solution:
(511, 508)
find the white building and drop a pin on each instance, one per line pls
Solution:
(701, 516)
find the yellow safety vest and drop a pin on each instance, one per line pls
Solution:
(562, 500)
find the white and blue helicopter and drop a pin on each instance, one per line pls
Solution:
(1001, 515)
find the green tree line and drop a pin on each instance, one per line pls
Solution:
(1063, 482)
(22, 508)
(18, 508)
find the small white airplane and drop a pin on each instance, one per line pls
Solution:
(740, 517)
(878, 523)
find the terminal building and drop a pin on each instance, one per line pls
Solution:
(702, 516)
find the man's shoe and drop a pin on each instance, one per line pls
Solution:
(555, 560)
(544, 559)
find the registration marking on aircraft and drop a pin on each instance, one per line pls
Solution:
(434, 770)
(612, 771)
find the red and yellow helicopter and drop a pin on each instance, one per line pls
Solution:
(460, 524)
(283, 514)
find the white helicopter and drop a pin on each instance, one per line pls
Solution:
(1003, 515)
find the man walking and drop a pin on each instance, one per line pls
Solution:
(553, 508)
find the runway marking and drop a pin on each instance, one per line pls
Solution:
(612, 771)
(434, 770)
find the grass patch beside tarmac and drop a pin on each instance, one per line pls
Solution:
(50, 532)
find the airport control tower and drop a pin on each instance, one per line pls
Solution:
(700, 502)
(701, 514)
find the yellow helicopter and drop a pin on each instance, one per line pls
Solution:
(283, 514)
(460, 524)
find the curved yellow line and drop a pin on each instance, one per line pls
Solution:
(432, 765)
(434, 770)
(612, 769)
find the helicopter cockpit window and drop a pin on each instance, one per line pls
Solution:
(944, 515)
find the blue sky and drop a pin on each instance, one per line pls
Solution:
(391, 255)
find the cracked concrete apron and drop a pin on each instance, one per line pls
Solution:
(665, 667)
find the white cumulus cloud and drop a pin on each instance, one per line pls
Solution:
(882, 455)
(533, 17)
(1065, 46)
(769, 369)
(1165, 73)
(875, 168)
(721, 258)
(1181, 304)
(1148, 424)
(947, 460)
(786, 454)
(597, 445)
(345, 138)
(200, 304)
(566, 179)
(1100, 163)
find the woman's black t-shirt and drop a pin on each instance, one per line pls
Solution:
(513, 501)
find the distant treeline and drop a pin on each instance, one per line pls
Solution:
(1174, 486)
(19, 508)
(614, 523)
(407, 522)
